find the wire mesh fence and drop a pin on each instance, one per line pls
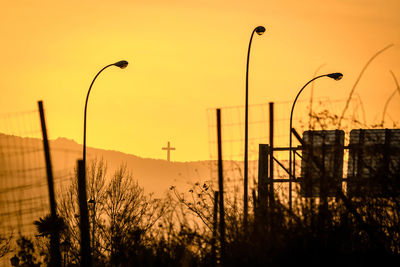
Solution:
(309, 114)
(23, 184)
(24, 195)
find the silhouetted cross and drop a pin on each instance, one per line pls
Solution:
(168, 148)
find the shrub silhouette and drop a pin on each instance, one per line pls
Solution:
(134, 229)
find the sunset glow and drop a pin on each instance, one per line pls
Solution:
(184, 58)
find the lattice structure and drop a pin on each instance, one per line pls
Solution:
(23, 184)
(23, 181)
(322, 116)
(233, 138)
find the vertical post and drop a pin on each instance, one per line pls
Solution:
(215, 229)
(271, 154)
(291, 168)
(84, 216)
(221, 188)
(322, 187)
(55, 259)
(246, 140)
(360, 164)
(253, 193)
(245, 163)
(262, 181)
(94, 227)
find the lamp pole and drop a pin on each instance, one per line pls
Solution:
(259, 30)
(336, 76)
(93, 202)
(121, 64)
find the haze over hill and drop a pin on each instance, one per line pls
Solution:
(154, 175)
(23, 183)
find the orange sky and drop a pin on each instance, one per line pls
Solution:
(186, 57)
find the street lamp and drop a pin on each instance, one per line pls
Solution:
(336, 76)
(259, 30)
(121, 64)
(93, 202)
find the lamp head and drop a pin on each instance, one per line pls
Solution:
(260, 30)
(337, 76)
(121, 64)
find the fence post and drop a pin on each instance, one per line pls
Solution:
(84, 216)
(55, 255)
(215, 229)
(261, 215)
(271, 155)
(221, 188)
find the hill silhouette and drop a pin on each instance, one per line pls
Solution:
(154, 175)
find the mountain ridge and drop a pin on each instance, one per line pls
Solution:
(154, 175)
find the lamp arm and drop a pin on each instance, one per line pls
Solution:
(298, 94)
(248, 58)
(84, 118)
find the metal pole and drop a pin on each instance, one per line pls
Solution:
(290, 139)
(253, 193)
(121, 64)
(84, 216)
(259, 30)
(271, 154)
(93, 226)
(246, 139)
(262, 181)
(84, 118)
(322, 189)
(221, 188)
(215, 229)
(55, 259)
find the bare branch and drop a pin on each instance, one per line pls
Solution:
(358, 79)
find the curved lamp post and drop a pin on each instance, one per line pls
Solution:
(336, 76)
(121, 64)
(259, 30)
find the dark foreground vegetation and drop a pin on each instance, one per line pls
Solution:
(134, 229)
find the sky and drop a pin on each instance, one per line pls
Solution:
(186, 57)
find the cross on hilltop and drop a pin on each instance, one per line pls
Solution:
(168, 148)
